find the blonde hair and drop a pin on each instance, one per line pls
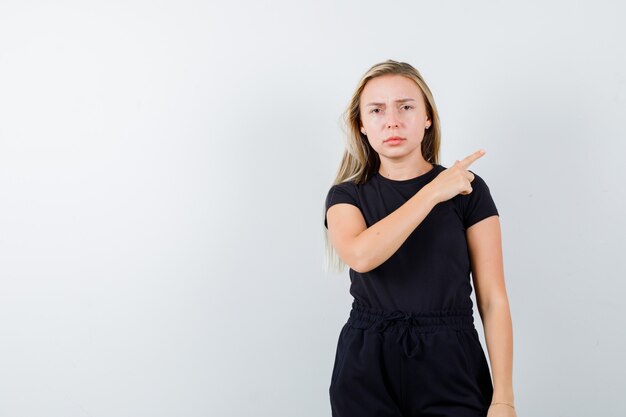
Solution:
(360, 161)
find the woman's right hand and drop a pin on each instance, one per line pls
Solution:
(454, 180)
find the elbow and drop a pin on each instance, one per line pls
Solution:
(361, 263)
(492, 304)
(359, 258)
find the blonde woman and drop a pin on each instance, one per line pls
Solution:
(411, 232)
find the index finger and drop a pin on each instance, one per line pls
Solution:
(468, 160)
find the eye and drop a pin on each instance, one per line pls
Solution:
(408, 106)
(374, 110)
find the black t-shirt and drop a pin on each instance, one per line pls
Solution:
(430, 272)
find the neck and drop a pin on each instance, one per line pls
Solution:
(404, 170)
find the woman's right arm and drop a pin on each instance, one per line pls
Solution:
(363, 248)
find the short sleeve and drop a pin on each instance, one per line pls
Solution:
(478, 204)
(344, 192)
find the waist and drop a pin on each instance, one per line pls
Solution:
(362, 316)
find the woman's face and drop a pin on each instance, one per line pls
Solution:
(393, 106)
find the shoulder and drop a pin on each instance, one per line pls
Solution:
(479, 182)
(479, 203)
(343, 187)
(343, 192)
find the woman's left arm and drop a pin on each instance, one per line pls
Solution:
(485, 249)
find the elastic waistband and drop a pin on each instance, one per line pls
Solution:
(362, 316)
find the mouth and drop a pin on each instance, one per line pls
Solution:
(393, 139)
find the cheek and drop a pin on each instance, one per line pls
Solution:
(369, 121)
(372, 119)
(415, 118)
(373, 143)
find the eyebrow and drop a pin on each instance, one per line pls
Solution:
(402, 100)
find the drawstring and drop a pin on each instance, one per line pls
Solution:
(405, 341)
(407, 332)
(411, 325)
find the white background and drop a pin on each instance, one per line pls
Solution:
(163, 169)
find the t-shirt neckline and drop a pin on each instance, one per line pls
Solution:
(426, 175)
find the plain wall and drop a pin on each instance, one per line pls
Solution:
(163, 169)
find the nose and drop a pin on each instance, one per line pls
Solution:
(392, 119)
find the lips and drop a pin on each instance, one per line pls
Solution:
(393, 139)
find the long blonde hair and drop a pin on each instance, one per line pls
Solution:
(360, 161)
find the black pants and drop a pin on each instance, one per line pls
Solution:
(396, 364)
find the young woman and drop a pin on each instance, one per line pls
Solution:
(411, 232)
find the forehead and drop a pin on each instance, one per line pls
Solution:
(390, 87)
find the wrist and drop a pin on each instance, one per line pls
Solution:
(430, 195)
(503, 395)
(503, 404)
(503, 398)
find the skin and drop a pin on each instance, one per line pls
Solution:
(400, 111)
